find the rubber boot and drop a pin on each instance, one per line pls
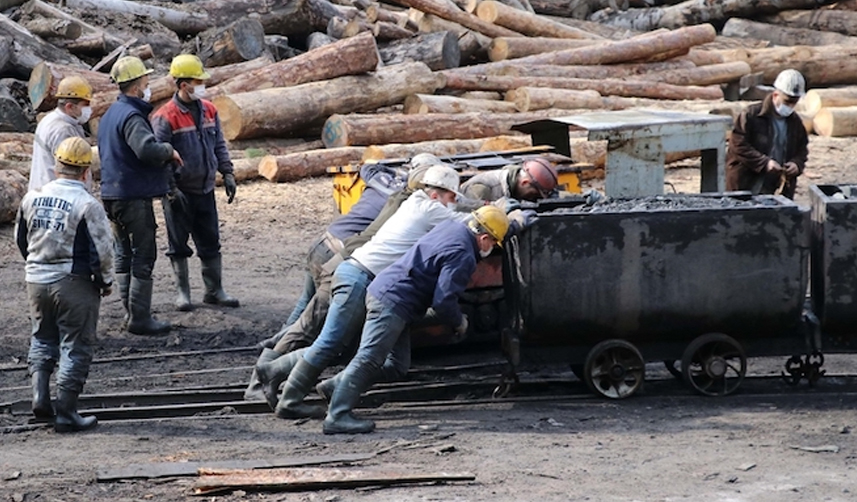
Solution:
(274, 373)
(339, 418)
(141, 321)
(300, 382)
(68, 420)
(212, 272)
(183, 303)
(124, 282)
(326, 388)
(42, 408)
(254, 392)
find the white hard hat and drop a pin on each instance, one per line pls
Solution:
(441, 176)
(424, 160)
(791, 82)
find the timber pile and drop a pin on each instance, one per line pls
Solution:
(304, 84)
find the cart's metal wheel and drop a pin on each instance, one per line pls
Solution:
(614, 369)
(714, 364)
(674, 367)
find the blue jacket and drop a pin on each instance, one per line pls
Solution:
(133, 162)
(381, 181)
(431, 274)
(199, 140)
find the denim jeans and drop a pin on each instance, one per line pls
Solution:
(344, 317)
(319, 253)
(384, 342)
(134, 226)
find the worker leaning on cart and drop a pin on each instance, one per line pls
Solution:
(533, 180)
(768, 147)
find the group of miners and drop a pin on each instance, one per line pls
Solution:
(403, 253)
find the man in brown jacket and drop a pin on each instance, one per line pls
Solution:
(768, 148)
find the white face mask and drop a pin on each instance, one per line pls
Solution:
(486, 254)
(198, 92)
(783, 109)
(85, 115)
(147, 94)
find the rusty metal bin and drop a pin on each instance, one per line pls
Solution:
(662, 275)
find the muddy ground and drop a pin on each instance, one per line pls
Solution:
(654, 446)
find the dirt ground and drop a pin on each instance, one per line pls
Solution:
(650, 447)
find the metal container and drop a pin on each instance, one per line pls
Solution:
(661, 275)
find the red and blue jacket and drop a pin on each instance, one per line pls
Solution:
(200, 143)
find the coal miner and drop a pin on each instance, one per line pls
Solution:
(768, 148)
(63, 233)
(533, 180)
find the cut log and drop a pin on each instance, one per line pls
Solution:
(274, 112)
(385, 129)
(221, 74)
(695, 12)
(46, 76)
(821, 66)
(13, 187)
(317, 39)
(836, 122)
(439, 51)
(602, 30)
(13, 118)
(595, 153)
(429, 23)
(271, 146)
(278, 46)
(246, 169)
(578, 9)
(29, 50)
(183, 23)
(503, 48)
(346, 57)
(833, 97)
(528, 99)
(527, 23)
(591, 71)
(297, 166)
(48, 28)
(702, 75)
(424, 103)
(836, 21)
(384, 30)
(143, 52)
(481, 95)
(341, 28)
(447, 147)
(162, 89)
(375, 12)
(611, 87)
(781, 35)
(5, 52)
(242, 40)
(450, 12)
(38, 7)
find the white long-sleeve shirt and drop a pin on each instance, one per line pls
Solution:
(51, 131)
(415, 218)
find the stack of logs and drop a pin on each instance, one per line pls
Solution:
(301, 85)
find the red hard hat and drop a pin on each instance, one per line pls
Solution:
(542, 173)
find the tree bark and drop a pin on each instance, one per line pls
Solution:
(578, 9)
(439, 50)
(836, 122)
(702, 75)
(41, 8)
(527, 99)
(346, 57)
(491, 95)
(384, 30)
(836, 21)
(450, 12)
(183, 23)
(503, 48)
(821, 66)
(48, 28)
(242, 40)
(781, 35)
(318, 39)
(297, 166)
(612, 87)
(162, 89)
(12, 116)
(29, 50)
(447, 147)
(591, 71)
(377, 13)
(529, 24)
(833, 97)
(5, 52)
(220, 74)
(429, 23)
(602, 30)
(271, 146)
(424, 103)
(13, 187)
(694, 12)
(273, 112)
(46, 76)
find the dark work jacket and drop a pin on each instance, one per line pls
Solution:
(750, 145)
(124, 174)
(381, 182)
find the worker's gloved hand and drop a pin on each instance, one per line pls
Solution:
(590, 197)
(461, 330)
(773, 166)
(230, 186)
(520, 219)
(792, 170)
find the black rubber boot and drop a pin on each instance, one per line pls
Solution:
(68, 420)
(124, 284)
(326, 388)
(300, 382)
(339, 418)
(212, 273)
(274, 373)
(254, 392)
(42, 408)
(140, 304)
(183, 303)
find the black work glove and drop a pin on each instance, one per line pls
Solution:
(230, 186)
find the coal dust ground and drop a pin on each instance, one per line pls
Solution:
(679, 447)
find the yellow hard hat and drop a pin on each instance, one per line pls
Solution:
(188, 66)
(74, 151)
(494, 221)
(75, 87)
(127, 69)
